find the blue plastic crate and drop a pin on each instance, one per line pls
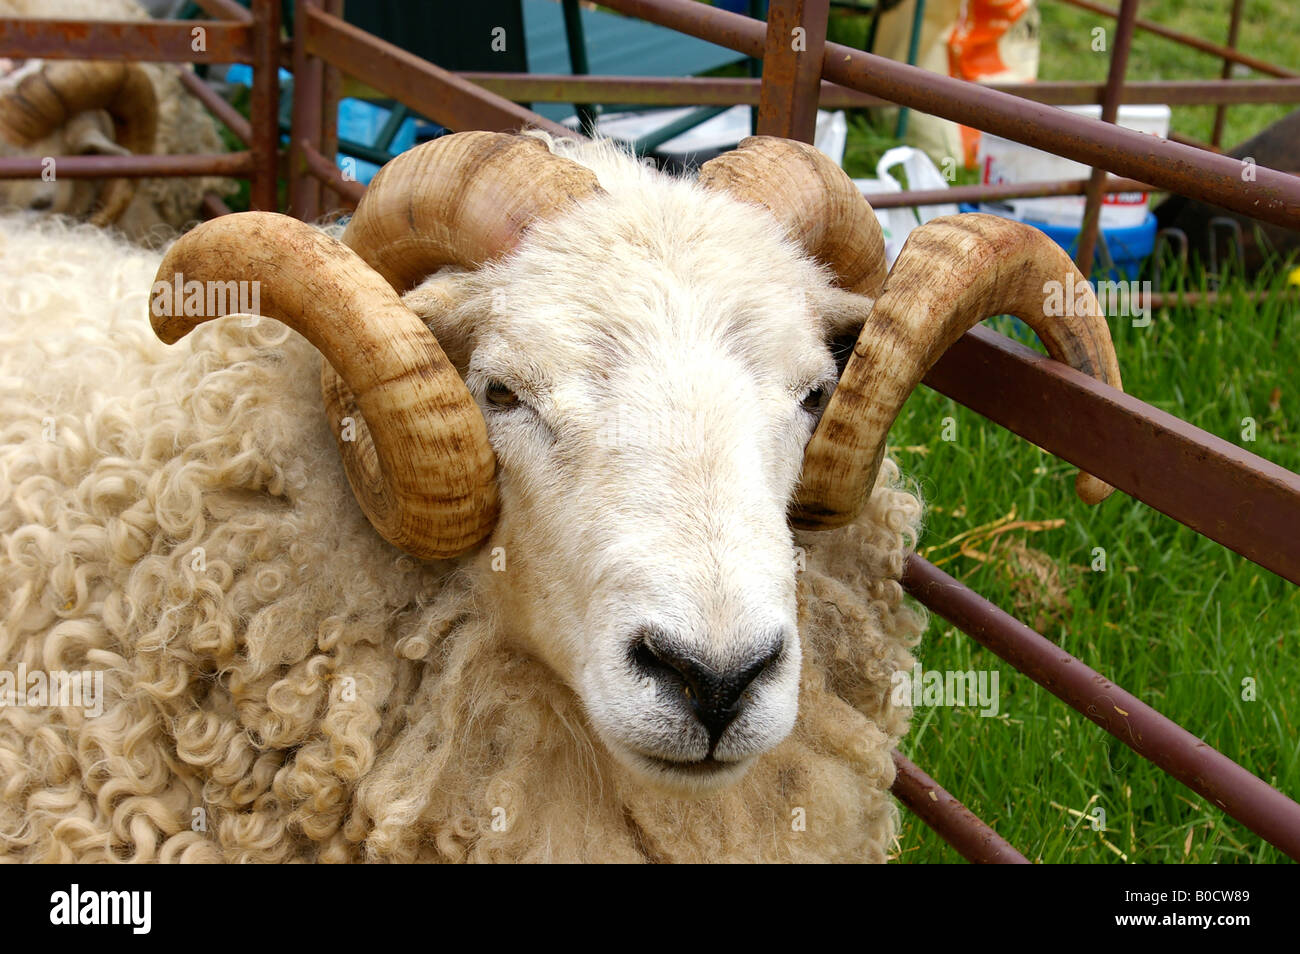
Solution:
(1129, 247)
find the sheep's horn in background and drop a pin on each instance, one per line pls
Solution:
(45, 99)
(813, 198)
(419, 462)
(463, 199)
(952, 273)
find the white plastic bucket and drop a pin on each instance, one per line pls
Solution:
(1002, 161)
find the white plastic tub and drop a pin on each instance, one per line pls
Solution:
(1002, 161)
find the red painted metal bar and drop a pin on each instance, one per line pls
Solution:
(264, 107)
(219, 108)
(988, 193)
(308, 93)
(792, 68)
(349, 191)
(1272, 196)
(1234, 28)
(1234, 497)
(213, 206)
(1109, 114)
(428, 89)
(131, 167)
(1194, 143)
(1152, 92)
(1225, 784)
(157, 41)
(743, 91)
(951, 820)
(331, 89)
(1195, 42)
(225, 10)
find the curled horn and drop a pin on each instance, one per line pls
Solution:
(952, 273)
(464, 199)
(813, 198)
(419, 464)
(46, 99)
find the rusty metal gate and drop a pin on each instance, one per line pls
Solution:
(1103, 431)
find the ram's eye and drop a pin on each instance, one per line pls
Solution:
(498, 395)
(814, 399)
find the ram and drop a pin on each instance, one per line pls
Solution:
(590, 552)
(68, 108)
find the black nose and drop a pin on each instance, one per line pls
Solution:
(713, 691)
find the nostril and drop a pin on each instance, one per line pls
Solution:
(714, 692)
(649, 660)
(41, 203)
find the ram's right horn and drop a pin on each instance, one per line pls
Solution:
(419, 463)
(464, 199)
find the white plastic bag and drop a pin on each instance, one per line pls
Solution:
(921, 173)
(832, 134)
(723, 131)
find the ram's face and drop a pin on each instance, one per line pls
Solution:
(646, 363)
(648, 402)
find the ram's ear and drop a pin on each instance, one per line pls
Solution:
(88, 136)
(842, 315)
(440, 301)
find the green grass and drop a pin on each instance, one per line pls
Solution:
(1176, 619)
(1270, 30)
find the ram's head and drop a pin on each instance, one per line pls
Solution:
(51, 109)
(621, 395)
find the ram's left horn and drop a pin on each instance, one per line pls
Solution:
(813, 198)
(47, 98)
(416, 453)
(953, 273)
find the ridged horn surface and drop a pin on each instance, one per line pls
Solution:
(954, 272)
(464, 199)
(813, 198)
(416, 450)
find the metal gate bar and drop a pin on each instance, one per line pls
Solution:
(245, 37)
(743, 91)
(1109, 114)
(1272, 196)
(1220, 490)
(1203, 769)
(951, 820)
